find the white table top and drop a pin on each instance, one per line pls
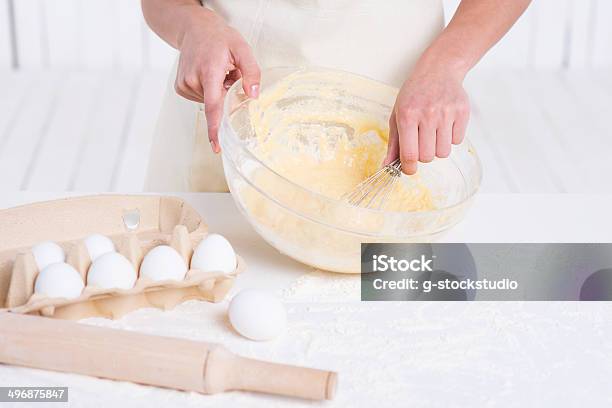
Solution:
(387, 353)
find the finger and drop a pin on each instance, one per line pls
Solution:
(188, 95)
(213, 114)
(427, 141)
(213, 105)
(231, 78)
(186, 92)
(393, 141)
(408, 130)
(444, 136)
(192, 84)
(246, 63)
(181, 87)
(460, 128)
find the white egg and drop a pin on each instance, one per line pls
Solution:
(214, 254)
(59, 280)
(47, 253)
(111, 270)
(97, 245)
(163, 262)
(257, 315)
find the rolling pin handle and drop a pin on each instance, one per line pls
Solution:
(224, 371)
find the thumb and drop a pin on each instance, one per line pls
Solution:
(251, 74)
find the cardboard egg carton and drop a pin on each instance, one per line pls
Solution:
(134, 223)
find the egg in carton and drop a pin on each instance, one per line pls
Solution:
(136, 224)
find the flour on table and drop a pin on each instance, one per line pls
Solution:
(320, 286)
(387, 354)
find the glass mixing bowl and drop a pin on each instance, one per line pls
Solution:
(306, 225)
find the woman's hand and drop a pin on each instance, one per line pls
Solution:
(212, 57)
(432, 109)
(431, 113)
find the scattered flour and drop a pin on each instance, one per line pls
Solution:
(387, 354)
(320, 286)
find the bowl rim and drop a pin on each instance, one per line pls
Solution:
(289, 69)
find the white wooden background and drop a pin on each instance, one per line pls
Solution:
(81, 83)
(78, 34)
(111, 34)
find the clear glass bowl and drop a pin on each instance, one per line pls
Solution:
(310, 227)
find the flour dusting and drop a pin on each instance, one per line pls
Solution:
(320, 286)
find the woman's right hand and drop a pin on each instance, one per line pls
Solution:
(212, 57)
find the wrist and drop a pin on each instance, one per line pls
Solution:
(194, 17)
(447, 61)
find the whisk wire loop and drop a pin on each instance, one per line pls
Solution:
(374, 191)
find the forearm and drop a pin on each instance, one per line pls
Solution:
(475, 28)
(169, 18)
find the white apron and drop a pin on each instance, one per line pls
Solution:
(379, 39)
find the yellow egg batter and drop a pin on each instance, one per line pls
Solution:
(324, 145)
(319, 138)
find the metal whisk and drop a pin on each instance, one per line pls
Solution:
(374, 191)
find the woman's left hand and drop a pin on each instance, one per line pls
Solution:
(431, 112)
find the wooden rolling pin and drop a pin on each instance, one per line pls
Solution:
(62, 345)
